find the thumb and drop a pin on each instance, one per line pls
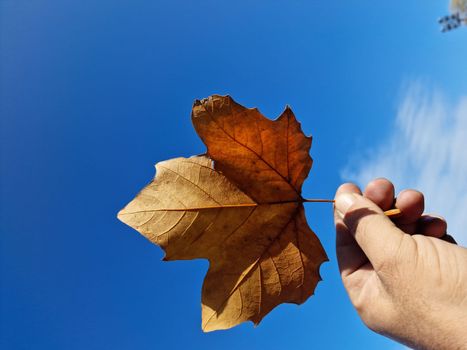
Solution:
(376, 235)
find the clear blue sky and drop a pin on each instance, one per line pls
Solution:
(93, 93)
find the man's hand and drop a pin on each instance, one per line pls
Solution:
(405, 282)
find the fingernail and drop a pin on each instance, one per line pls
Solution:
(343, 203)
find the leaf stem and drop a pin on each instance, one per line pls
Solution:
(318, 200)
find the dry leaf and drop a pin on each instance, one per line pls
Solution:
(240, 208)
(267, 159)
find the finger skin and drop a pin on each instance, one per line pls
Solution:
(350, 256)
(433, 226)
(411, 203)
(375, 234)
(381, 192)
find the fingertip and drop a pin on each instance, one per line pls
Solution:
(381, 192)
(348, 187)
(343, 199)
(411, 204)
(343, 202)
(432, 225)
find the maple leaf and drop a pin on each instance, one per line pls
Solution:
(241, 208)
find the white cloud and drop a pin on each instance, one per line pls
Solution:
(427, 150)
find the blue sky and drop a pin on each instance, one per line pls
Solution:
(93, 93)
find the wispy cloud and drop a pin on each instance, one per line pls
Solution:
(427, 151)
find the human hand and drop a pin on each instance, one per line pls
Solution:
(404, 281)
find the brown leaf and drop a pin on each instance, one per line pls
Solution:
(245, 214)
(267, 159)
